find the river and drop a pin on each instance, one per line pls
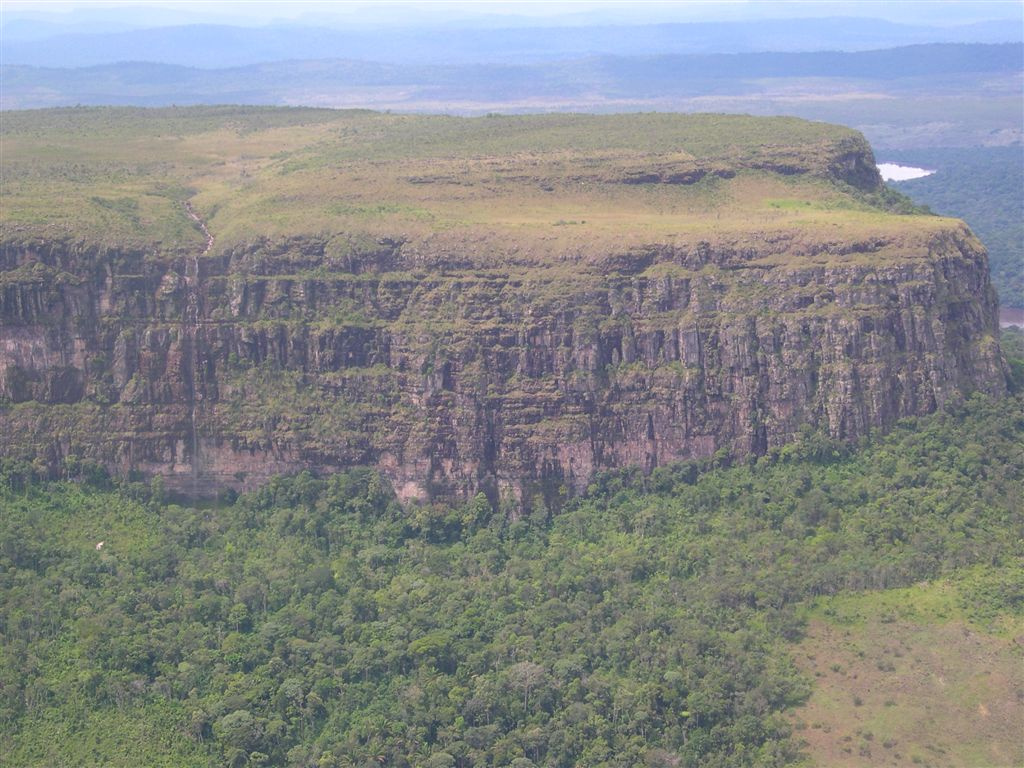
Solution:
(894, 172)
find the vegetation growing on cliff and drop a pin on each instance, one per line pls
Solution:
(316, 623)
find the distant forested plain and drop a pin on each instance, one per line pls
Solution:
(657, 620)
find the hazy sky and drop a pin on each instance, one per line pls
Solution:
(494, 12)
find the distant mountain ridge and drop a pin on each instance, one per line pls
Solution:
(312, 81)
(217, 46)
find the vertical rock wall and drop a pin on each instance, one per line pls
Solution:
(452, 378)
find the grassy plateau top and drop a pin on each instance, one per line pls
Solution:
(530, 188)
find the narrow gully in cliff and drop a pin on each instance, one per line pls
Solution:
(190, 329)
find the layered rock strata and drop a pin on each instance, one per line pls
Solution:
(453, 379)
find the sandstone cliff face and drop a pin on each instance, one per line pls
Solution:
(453, 375)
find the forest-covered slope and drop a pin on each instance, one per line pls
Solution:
(659, 620)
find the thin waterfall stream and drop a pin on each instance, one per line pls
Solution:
(191, 324)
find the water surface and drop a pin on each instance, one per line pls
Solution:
(894, 172)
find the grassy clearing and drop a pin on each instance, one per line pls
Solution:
(923, 675)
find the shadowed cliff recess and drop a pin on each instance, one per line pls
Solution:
(498, 304)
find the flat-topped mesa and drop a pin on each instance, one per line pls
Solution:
(506, 305)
